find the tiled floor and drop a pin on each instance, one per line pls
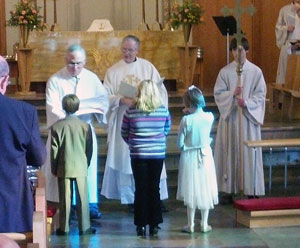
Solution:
(116, 230)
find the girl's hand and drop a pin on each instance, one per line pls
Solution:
(127, 101)
(186, 111)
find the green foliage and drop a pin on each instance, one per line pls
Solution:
(26, 14)
(187, 13)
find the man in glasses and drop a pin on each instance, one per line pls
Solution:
(75, 79)
(21, 145)
(121, 80)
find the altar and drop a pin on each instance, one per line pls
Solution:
(103, 50)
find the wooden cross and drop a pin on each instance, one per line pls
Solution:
(238, 11)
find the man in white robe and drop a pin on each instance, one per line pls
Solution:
(285, 25)
(75, 79)
(118, 182)
(251, 98)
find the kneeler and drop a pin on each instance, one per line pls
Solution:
(268, 212)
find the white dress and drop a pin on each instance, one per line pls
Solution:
(197, 183)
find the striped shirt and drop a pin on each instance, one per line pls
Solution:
(145, 133)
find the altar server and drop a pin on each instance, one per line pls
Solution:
(251, 98)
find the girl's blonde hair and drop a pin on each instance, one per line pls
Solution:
(148, 96)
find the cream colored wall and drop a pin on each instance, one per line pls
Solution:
(77, 15)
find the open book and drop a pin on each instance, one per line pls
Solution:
(127, 90)
(291, 20)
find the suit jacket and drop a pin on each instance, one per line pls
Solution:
(71, 147)
(20, 145)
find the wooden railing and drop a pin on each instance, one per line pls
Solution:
(271, 143)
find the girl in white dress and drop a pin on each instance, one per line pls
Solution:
(197, 184)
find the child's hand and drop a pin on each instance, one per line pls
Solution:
(186, 111)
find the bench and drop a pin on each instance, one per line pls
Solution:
(254, 144)
(268, 212)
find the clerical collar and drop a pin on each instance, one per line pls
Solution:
(132, 61)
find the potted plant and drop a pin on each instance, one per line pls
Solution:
(26, 16)
(186, 15)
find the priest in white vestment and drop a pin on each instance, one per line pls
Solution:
(75, 79)
(228, 99)
(285, 25)
(118, 182)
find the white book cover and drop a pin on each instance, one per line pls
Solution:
(127, 90)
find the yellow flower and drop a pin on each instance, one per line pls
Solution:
(187, 13)
(26, 14)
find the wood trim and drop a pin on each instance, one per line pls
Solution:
(3, 50)
(271, 218)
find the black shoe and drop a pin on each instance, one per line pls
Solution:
(131, 208)
(88, 231)
(163, 208)
(95, 215)
(153, 230)
(226, 199)
(141, 231)
(60, 232)
(94, 211)
(252, 197)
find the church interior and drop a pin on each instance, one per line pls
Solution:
(99, 27)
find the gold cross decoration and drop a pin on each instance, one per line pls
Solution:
(238, 11)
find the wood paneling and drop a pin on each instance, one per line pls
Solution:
(2, 28)
(259, 30)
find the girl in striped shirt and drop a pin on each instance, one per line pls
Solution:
(144, 128)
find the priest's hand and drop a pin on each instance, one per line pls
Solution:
(241, 102)
(127, 101)
(290, 28)
(238, 91)
(296, 6)
(295, 47)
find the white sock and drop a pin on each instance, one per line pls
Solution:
(204, 217)
(190, 216)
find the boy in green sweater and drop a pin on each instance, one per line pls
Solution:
(71, 151)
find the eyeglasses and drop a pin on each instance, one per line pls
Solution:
(8, 82)
(129, 50)
(71, 64)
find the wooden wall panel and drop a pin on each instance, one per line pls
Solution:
(2, 28)
(259, 29)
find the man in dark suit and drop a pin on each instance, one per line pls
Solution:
(20, 145)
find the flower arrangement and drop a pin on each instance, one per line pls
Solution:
(26, 16)
(189, 12)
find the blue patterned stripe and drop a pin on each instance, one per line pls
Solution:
(145, 133)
